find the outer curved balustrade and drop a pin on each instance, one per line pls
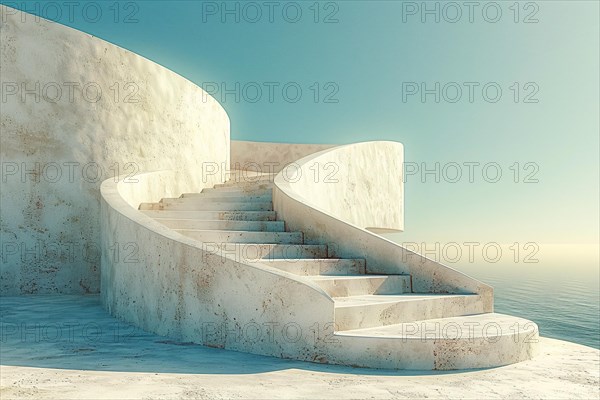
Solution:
(180, 287)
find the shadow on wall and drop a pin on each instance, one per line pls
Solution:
(74, 332)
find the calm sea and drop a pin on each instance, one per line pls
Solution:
(561, 292)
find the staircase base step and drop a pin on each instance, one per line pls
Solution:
(466, 342)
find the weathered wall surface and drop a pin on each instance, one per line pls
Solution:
(76, 110)
(183, 288)
(359, 183)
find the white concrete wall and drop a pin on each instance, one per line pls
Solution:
(367, 194)
(360, 184)
(125, 115)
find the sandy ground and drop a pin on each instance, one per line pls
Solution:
(68, 347)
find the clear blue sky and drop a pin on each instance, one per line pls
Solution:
(368, 57)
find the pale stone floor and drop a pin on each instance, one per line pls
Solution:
(68, 347)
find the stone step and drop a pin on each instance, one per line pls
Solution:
(249, 177)
(214, 215)
(356, 285)
(208, 206)
(252, 253)
(244, 236)
(232, 191)
(462, 342)
(320, 266)
(232, 185)
(223, 225)
(369, 311)
(218, 199)
(258, 196)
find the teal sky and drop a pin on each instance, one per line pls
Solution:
(367, 56)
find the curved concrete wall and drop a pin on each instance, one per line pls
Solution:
(180, 287)
(376, 205)
(339, 213)
(77, 110)
(360, 184)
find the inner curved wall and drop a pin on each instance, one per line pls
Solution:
(75, 111)
(359, 183)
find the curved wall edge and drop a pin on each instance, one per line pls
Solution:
(77, 110)
(182, 288)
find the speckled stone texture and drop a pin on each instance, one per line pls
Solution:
(94, 111)
(360, 183)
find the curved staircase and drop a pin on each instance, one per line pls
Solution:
(279, 264)
(378, 316)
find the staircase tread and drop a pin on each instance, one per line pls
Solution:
(400, 331)
(316, 259)
(192, 200)
(368, 299)
(213, 220)
(235, 232)
(233, 193)
(222, 207)
(348, 277)
(182, 212)
(251, 172)
(215, 211)
(216, 199)
(249, 182)
(280, 244)
(252, 181)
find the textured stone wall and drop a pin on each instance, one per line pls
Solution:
(359, 183)
(76, 110)
(183, 288)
